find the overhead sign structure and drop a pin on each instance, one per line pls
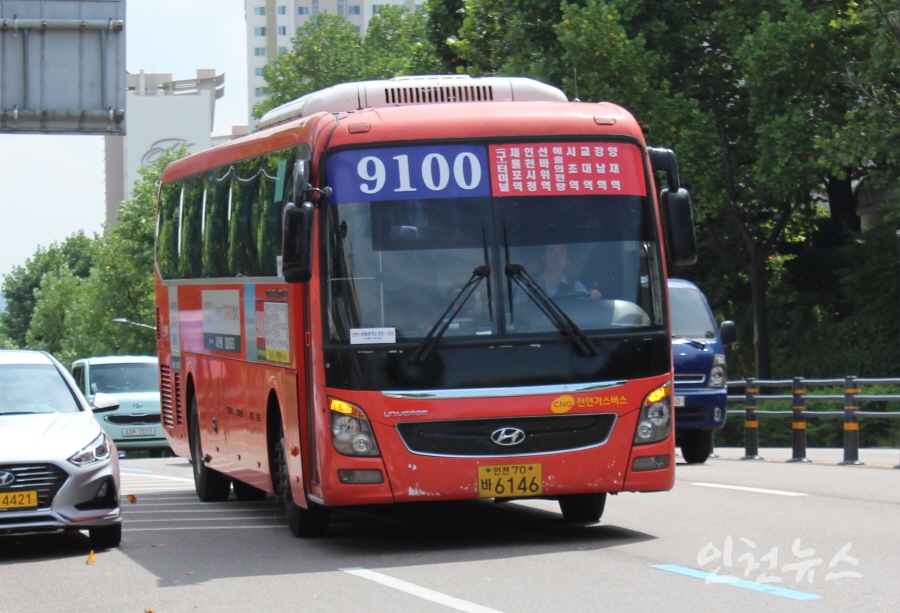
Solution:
(62, 66)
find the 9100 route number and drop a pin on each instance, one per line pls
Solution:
(509, 480)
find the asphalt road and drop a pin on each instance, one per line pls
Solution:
(731, 536)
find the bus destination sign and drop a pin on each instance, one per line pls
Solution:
(466, 171)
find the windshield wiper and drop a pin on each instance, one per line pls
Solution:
(690, 341)
(424, 349)
(19, 413)
(517, 273)
(545, 303)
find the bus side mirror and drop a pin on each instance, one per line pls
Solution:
(678, 222)
(297, 240)
(728, 332)
(663, 160)
(301, 181)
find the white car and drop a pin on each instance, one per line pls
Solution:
(58, 469)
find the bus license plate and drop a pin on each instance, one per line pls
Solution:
(508, 480)
(19, 500)
(679, 401)
(138, 431)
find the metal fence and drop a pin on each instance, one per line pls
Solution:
(852, 396)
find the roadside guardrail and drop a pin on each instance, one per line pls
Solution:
(798, 397)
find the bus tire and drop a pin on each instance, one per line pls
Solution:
(246, 492)
(211, 485)
(582, 507)
(696, 445)
(303, 523)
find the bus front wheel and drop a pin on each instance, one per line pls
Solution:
(211, 485)
(582, 507)
(303, 523)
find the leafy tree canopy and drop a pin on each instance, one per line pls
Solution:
(20, 286)
(72, 314)
(327, 50)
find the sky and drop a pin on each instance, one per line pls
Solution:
(52, 186)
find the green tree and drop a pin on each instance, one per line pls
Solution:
(397, 43)
(55, 298)
(20, 286)
(6, 342)
(514, 37)
(740, 89)
(327, 51)
(863, 145)
(73, 316)
(445, 18)
(121, 283)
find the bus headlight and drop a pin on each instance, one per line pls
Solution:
(351, 433)
(655, 419)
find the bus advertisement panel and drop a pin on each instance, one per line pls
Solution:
(483, 312)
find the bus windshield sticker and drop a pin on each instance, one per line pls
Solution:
(396, 173)
(372, 336)
(272, 332)
(222, 320)
(545, 169)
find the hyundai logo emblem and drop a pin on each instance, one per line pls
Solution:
(507, 436)
(6, 477)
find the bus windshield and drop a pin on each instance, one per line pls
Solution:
(397, 266)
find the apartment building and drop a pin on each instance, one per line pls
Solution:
(271, 24)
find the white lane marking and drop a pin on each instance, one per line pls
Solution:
(757, 490)
(226, 510)
(167, 529)
(141, 477)
(140, 503)
(421, 592)
(185, 519)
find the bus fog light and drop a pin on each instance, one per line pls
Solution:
(653, 462)
(360, 476)
(717, 414)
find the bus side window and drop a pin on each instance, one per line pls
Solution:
(191, 236)
(242, 257)
(268, 207)
(215, 225)
(167, 224)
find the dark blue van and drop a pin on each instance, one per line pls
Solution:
(698, 351)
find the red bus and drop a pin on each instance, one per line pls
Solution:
(426, 288)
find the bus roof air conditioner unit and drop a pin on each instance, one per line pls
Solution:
(414, 90)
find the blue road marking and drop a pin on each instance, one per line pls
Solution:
(135, 470)
(737, 582)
